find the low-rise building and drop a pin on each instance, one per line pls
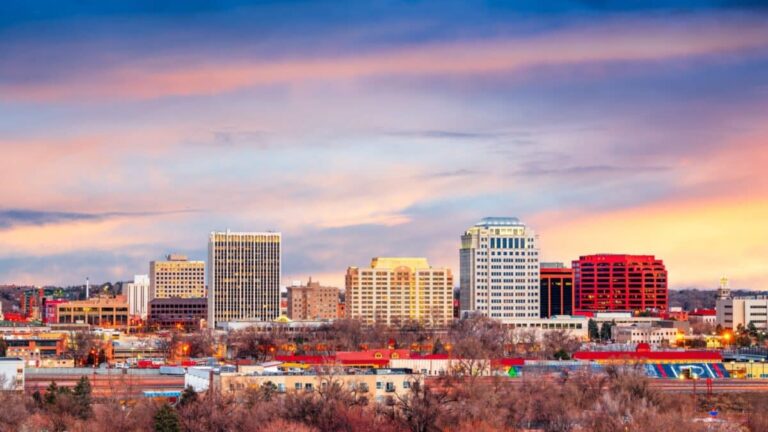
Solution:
(34, 346)
(376, 385)
(98, 311)
(706, 316)
(646, 333)
(177, 312)
(11, 373)
(576, 326)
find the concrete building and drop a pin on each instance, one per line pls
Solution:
(706, 316)
(177, 277)
(397, 290)
(646, 333)
(137, 293)
(576, 326)
(186, 313)
(312, 302)
(556, 295)
(376, 385)
(34, 345)
(499, 271)
(243, 276)
(732, 312)
(11, 374)
(609, 282)
(97, 311)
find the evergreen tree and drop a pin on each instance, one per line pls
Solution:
(166, 420)
(594, 333)
(752, 329)
(188, 396)
(50, 393)
(438, 348)
(82, 396)
(605, 331)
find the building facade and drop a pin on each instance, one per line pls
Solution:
(312, 302)
(499, 274)
(177, 277)
(398, 290)
(375, 385)
(556, 295)
(243, 276)
(137, 293)
(98, 311)
(644, 333)
(740, 311)
(178, 312)
(608, 282)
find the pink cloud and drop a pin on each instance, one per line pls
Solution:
(618, 41)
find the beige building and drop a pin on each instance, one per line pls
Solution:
(375, 385)
(646, 333)
(733, 312)
(97, 311)
(312, 302)
(243, 276)
(396, 290)
(176, 277)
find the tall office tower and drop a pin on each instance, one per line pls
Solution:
(556, 295)
(312, 301)
(243, 276)
(394, 291)
(499, 260)
(608, 282)
(177, 277)
(137, 293)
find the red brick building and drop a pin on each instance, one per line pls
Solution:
(608, 282)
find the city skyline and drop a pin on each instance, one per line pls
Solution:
(362, 130)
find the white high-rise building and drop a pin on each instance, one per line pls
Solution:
(137, 293)
(243, 276)
(499, 273)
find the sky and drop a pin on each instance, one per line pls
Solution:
(129, 130)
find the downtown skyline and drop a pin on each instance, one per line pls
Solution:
(382, 129)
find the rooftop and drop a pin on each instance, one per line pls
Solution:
(499, 222)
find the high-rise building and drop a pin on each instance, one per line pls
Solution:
(177, 277)
(243, 276)
(499, 260)
(312, 301)
(608, 282)
(556, 295)
(137, 293)
(397, 290)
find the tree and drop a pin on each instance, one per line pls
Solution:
(752, 329)
(594, 333)
(3, 347)
(188, 396)
(605, 331)
(82, 396)
(166, 420)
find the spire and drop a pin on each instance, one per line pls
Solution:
(724, 290)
